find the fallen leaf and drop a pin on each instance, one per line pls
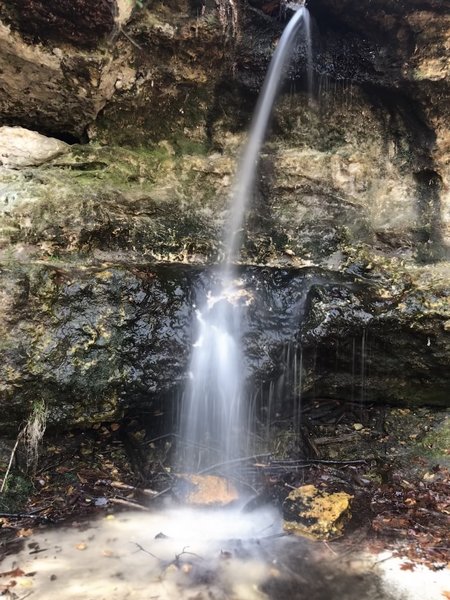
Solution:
(24, 533)
(62, 470)
(14, 573)
(4, 588)
(81, 546)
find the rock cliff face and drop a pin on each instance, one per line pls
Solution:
(104, 247)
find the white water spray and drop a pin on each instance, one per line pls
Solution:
(214, 422)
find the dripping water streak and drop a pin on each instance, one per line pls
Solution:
(309, 58)
(363, 365)
(300, 391)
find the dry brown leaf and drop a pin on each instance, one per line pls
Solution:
(24, 532)
(14, 573)
(81, 546)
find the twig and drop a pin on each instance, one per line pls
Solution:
(125, 486)
(348, 437)
(235, 461)
(23, 516)
(184, 551)
(130, 39)
(327, 545)
(146, 551)
(161, 437)
(162, 492)
(165, 471)
(183, 441)
(243, 483)
(320, 461)
(123, 502)
(11, 458)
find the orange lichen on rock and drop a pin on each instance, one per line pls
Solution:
(315, 513)
(208, 490)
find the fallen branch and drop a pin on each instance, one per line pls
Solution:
(11, 458)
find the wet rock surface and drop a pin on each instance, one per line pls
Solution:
(95, 342)
(106, 249)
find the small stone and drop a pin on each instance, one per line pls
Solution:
(358, 426)
(101, 501)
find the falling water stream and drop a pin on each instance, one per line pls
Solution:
(213, 417)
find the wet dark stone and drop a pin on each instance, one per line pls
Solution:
(84, 22)
(97, 343)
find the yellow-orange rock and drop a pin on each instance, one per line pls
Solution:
(316, 514)
(207, 490)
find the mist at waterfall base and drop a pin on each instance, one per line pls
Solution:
(181, 553)
(215, 422)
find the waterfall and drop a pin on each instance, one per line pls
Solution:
(214, 419)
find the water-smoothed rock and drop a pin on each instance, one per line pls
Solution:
(21, 147)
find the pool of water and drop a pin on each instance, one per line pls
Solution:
(198, 554)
